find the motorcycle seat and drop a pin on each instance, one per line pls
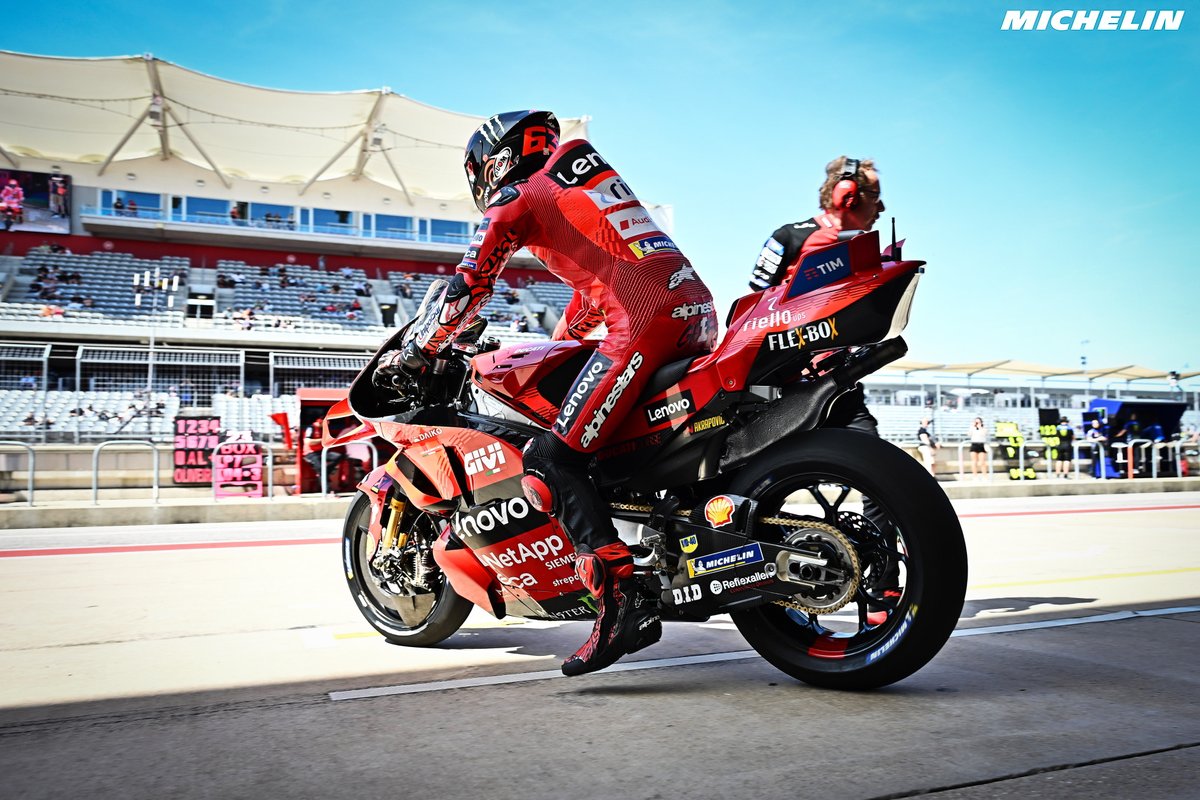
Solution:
(666, 377)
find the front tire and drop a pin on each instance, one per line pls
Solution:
(402, 616)
(909, 542)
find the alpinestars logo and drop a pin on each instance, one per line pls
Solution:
(689, 310)
(684, 273)
(1071, 20)
(486, 459)
(592, 429)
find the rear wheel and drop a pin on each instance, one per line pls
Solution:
(909, 547)
(402, 594)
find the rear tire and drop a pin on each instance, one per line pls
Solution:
(921, 537)
(415, 620)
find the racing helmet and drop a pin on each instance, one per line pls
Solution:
(509, 147)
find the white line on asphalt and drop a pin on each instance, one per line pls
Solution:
(712, 658)
(1060, 623)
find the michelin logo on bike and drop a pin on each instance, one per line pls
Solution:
(726, 559)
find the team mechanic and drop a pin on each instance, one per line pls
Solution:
(850, 200)
(572, 210)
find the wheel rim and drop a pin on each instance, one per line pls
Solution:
(873, 615)
(387, 602)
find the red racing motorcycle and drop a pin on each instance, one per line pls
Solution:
(837, 556)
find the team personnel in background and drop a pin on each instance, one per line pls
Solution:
(572, 210)
(850, 200)
(1065, 449)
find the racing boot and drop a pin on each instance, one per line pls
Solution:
(626, 620)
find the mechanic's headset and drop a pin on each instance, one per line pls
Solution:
(845, 191)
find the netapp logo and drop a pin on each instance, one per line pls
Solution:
(674, 407)
(1071, 20)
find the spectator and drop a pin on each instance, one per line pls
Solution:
(234, 215)
(132, 207)
(927, 446)
(119, 207)
(1065, 450)
(979, 454)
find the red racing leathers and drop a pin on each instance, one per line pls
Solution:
(583, 222)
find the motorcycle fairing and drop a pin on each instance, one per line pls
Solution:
(375, 485)
(352, 433)
(861, 319)
(532, 379)
(778, 324)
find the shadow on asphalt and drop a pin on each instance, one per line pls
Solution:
(973, 608)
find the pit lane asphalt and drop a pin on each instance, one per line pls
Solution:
(212, 671)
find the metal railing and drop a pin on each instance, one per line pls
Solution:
(111, 443)
(266, 449)
(325, 463)
(961, 471)
(32, 463)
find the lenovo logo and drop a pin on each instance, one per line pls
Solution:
(673, 407)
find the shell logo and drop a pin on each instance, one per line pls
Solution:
(719, 511)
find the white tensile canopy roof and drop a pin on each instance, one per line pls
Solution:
(106, 110)
(1128, 372)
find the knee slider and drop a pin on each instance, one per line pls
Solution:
(540, 457)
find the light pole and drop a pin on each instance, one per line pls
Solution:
(157, 288)
(1083, 363)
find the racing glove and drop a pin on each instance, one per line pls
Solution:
(396, 367)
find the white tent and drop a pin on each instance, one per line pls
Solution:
(107, 110)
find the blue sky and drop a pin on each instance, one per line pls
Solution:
(1049, 179)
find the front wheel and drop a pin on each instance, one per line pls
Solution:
(910, 548)
(402, 594)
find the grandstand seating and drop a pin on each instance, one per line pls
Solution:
(254, 413)
(107, 278)
(553, 294)
(256, 288)
(499, 312)
(127, 415)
